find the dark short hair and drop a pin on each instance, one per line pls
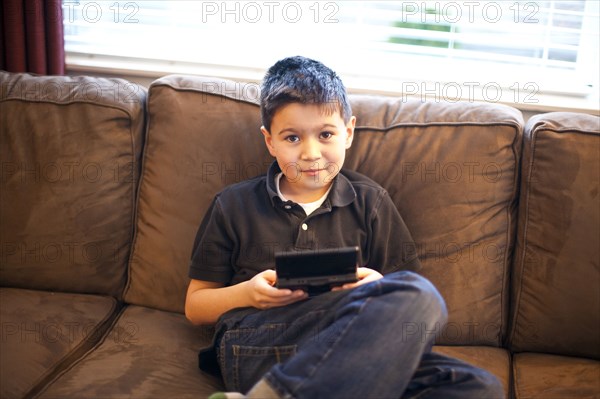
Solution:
(305, 81)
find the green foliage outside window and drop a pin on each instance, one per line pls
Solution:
(439, 27)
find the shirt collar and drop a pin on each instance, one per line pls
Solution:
(342, 193)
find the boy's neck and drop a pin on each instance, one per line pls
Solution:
(301, 196)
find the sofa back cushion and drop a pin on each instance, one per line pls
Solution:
(451, 169)
(556, 279)
(70, 150)
(197, 143)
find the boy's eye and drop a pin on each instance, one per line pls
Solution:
(326, 135)
(292, 139)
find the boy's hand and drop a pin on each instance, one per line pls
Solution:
(263, 295)
(365, 275)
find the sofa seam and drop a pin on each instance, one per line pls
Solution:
(122, 109)
(511, 381)
(138, 190)
(568, 130)
(515, 125)
(507, 275)
(514, 378)
(52, 378)
(134, 188)
(133, 203)
(51, 375)
(521, 266)
(196, 90)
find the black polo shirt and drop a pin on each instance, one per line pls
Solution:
(247, 223)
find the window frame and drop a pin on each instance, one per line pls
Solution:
(417, 83)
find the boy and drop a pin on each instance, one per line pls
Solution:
(347, 343)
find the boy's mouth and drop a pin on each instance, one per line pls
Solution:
(312, 172)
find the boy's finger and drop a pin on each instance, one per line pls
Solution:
(291, 296)
(270, 275)
(277, 292)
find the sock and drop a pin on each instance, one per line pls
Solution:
(261, 390)
(226, 395)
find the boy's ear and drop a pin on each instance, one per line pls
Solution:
(268, 140)
(350, 131)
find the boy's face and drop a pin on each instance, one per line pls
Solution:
(310, 147)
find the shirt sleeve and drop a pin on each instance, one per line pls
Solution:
(213, 246)
(392, 247)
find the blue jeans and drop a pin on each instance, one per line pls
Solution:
(373, 341)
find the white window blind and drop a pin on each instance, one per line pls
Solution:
(447, 49)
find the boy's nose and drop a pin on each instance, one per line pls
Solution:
(311, 151)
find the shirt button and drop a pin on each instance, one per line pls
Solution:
(288, 207)
(304, 226)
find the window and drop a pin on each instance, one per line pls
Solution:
(512, 51)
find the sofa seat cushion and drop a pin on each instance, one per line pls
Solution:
(43, 332)
(555, 377)
(494, 360)
(147, 354)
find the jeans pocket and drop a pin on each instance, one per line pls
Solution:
(250, 363)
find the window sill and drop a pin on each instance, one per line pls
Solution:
(523, 98)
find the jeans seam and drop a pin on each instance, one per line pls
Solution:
(222, 354)
(421, 394)
(260, 351)
(425, 392)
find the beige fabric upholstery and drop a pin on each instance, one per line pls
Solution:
(556, 281)
(203, 135)
(43, 332)
(147, 354)
(70, 151)
(494, 360)
(451, 170)
(94, 252)
(543, 376)
(197, 143)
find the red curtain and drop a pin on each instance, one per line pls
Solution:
(32, 37)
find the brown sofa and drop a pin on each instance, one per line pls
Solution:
(104, 184)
